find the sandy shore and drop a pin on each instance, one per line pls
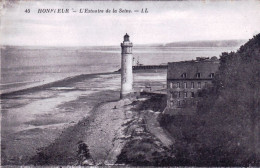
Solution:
(103, 132)
(110, 126)
(33, 120)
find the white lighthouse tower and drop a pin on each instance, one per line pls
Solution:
(126, 67)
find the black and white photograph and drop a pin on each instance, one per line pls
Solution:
(130, 83)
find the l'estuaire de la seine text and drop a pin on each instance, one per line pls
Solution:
(84, 10)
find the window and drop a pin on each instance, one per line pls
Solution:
(192, 85)
(179, 94)
(172, 95)
(171, 103)
(192, 94)
(171, 85)
(199, 85)
(179, 103)
(185, 94)
(206, 83)
(185, 85)
(178, 84)
(184, 75)
(212, 75)
(198, 75)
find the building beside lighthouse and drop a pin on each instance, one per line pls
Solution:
(126, 67)
(185, 80)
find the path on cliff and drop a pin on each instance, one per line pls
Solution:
(153, 126)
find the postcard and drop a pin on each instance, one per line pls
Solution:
(130, 83)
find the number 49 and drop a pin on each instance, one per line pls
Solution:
(27, 11)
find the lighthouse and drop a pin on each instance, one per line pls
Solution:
(126, 67)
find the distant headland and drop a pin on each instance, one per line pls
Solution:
(206, 43)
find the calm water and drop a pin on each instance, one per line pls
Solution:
(22, 66)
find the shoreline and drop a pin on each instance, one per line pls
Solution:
(72, 79)
(92, 130)
(63, 81)
(38, 139)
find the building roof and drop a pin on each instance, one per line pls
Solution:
(190, 69)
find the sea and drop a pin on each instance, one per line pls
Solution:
(27, 66)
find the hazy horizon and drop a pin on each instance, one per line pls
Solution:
(147, 44)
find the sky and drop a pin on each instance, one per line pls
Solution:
(165, 22)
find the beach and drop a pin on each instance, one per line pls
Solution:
(50, 116)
